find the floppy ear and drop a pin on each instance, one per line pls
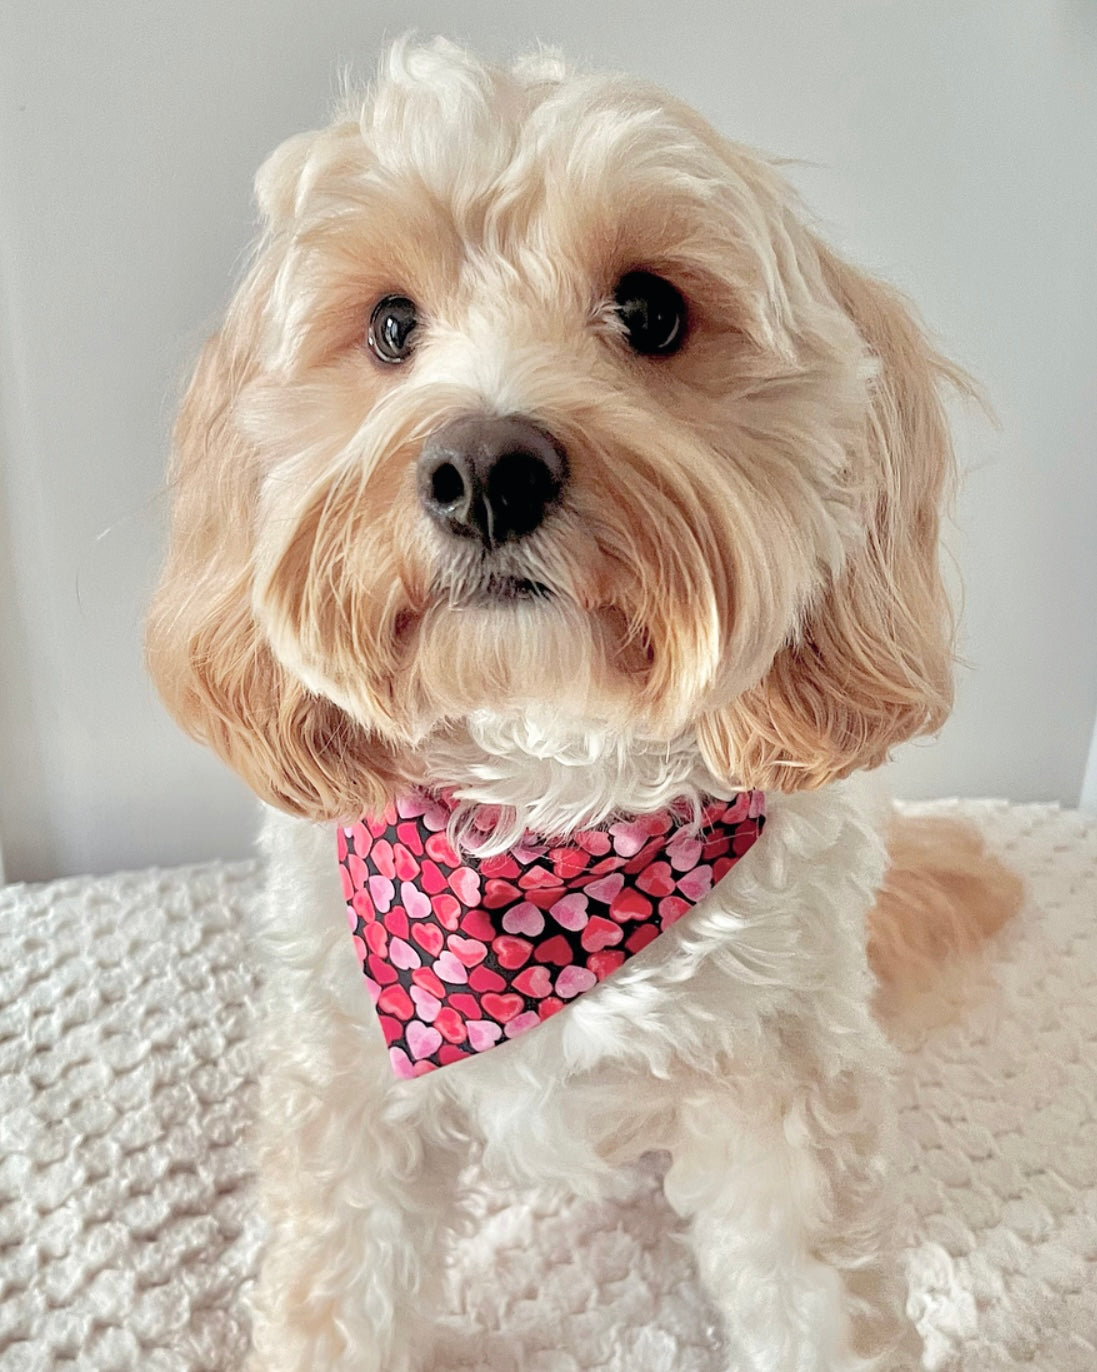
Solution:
(872, 664)
(206, 654)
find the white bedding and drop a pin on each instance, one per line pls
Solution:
(127, 1238)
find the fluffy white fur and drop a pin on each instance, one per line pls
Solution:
(744, 591)
(741, 1043)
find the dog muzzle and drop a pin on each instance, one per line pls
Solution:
(460, 954)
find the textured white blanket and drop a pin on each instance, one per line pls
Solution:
(127, 1239)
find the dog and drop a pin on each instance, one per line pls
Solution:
(555, 508)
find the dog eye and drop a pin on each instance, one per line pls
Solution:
(653, 313)
(391, 326)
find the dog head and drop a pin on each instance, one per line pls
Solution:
(540, 395)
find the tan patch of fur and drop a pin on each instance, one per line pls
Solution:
(872, 664)
(943, 895)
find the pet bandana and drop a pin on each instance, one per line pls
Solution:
(461, 953)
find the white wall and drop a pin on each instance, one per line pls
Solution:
(951, 146)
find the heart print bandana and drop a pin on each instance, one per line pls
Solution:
(461, 953)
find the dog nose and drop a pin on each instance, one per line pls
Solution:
(493, 479)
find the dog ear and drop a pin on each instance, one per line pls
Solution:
(209, 659)
(872, 663)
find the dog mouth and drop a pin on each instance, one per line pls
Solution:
(498, 589)
(491, 582)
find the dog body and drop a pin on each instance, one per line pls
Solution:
(546, 459)
(740, 1043)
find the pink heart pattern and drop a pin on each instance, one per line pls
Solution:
(445, 966)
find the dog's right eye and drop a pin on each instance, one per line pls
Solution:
(391, 326)
(652, 312)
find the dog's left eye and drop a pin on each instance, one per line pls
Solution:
(391, 326)
(653, 313)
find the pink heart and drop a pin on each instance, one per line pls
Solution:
(697, 883)
(425, 1003)
(416, 902)
(607, 887)
(451, 969)
(371, 986)
(594, 841)
(401, 1063)
(483, 1033)
(571, 911)
(381, 892)
(403, 955)
(573, 980)
(628, 839)
(422, 1039)
(435, 817)
(520, 1023)
(465, 885)
(407, 869)
(524, 919)
(684, 852)
(383, 858)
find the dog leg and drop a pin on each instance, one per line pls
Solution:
(359, 1199)
(790, 1229)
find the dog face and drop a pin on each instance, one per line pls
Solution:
(540, 396)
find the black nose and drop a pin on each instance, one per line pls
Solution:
(492, 479)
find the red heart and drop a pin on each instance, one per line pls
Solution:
(408, 834)
(630, 904)
(470, 951)
(644, 858)
(477, 925)
(429, 981)
(441, 850)
(656, 880)
(512, 952)
(501, 865)
(602, 964)
(447, 908)
(396, 922)
(534, 877)
(641, 937)
(465, 1005)
(391, 1028)
(396, 1001)
(534, 981)
(483, 979)
(497, 893)
(721, 867)
(569, 862)
(431, 878)
(450, 1025)
(428, 937)
(600, 933)
(715, 848)
(381, 972)
(549, 1006)
(363, 906)
(503, 1008)
(556, 950)
(449, 1052)
(377, 939)
(407, 869)
(544, 897)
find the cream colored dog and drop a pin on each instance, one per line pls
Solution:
(548, 462)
